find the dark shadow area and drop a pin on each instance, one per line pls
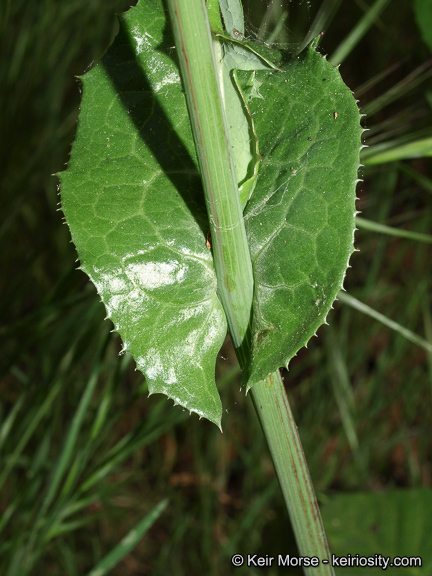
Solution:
(151, 121)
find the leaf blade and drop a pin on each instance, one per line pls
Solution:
(301, 217)
(132, 199)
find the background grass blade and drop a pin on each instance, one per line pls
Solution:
(222, 488)
(414, 338)
(392, 151)
(357, 33)
(414, 79)
(128, 543)
(342, 388)
(72, 436)
(390, 231)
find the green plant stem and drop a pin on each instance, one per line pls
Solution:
(230, 249)
(234, 270)
(278, 424)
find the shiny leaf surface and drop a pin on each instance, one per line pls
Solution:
(132, 199)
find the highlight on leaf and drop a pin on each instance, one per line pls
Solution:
(133, 201)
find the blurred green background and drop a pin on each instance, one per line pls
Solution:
(85, 455)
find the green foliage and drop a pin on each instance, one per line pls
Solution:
(231, 56)
(221, 487)
(129, 542)
(132, 199)
(396, 523)
(232, 13)
(423, 13)
(300, 219)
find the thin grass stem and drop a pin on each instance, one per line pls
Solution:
(408, 334)
(357, 33)
(393, 151)
(390, 231)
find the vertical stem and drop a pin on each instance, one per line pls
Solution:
(274, 412)
(234, 269)
(230, 248)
